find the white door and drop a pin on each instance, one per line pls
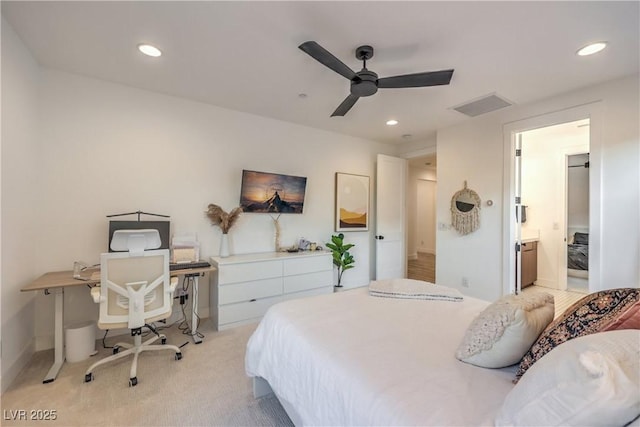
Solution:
(391, 257)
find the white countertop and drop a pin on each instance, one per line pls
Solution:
(529, 235)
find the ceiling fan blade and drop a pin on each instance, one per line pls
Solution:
(324, 57)
(345, 106)
(429, 78)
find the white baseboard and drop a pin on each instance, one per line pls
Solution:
(547, 283)
(427, 251)
(10, 371)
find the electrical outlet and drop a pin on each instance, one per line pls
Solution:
(465, 282)
(180, 292)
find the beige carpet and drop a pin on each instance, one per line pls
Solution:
(208, 387)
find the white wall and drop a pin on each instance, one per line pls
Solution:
(108, 149)
(578, 193)
(426, 231)
(473, 151)
(421, 211)
(76, 149)
(543, 175)
(20, 201)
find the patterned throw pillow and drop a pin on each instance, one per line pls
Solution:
(581, 238)
(597, 312)
(505, 330)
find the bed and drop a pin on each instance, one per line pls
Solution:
(578, 255)
(355, 358)
(352, 359)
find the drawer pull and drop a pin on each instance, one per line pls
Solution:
(252, 300)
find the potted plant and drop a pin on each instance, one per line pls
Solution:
(342, 259)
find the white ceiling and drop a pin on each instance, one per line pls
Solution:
(244, 55)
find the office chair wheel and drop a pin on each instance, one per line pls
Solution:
(133, 381)
(116, 349)
(178, 356)
(88, 378)
(163, 340)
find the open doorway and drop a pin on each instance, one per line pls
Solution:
(421, 218)
(553, 221)
(577, 185)
(589, 118)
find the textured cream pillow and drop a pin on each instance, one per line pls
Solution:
(501, 334)
(591, 380)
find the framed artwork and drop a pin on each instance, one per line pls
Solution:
(265, 192)
(352, 202)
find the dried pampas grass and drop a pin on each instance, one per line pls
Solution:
(224, 220)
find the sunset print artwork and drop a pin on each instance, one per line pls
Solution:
(264, 192)
(352, 202)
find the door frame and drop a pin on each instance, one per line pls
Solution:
(562, 267)
(411, 155)
(592, 111)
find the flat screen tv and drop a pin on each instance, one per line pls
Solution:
(163, 228)
(264, 192)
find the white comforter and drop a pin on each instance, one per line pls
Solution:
(352, 359)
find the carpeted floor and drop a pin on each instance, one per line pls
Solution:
(208, 387)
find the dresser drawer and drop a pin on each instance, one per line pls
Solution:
(303, 282)
(238, 292)
(246, 272)
(310, 293)
(244, 311)
(307, 265)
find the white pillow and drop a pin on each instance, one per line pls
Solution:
(591, 380)
(503, 332)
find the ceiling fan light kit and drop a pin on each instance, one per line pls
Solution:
(366, 82)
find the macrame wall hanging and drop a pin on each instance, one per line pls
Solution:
(465, 210)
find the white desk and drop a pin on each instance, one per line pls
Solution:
(55, 282)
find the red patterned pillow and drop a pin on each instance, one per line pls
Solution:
(597, 312)
(630, 319)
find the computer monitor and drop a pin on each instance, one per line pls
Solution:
(163, 228)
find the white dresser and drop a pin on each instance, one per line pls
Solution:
(247, 285)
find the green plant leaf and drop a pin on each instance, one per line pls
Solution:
(332, 246)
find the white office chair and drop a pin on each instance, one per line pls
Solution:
(135, 290)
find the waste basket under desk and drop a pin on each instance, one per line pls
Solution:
(247, 285)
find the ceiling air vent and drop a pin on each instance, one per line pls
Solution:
(482, 105)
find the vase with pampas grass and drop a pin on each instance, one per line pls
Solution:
(225, 221)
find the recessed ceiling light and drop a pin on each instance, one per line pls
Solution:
(592, 48)
(392, 122)
(149, 50)
(302, 95)
(407, 136)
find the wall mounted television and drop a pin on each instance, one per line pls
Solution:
(264, 192)
(163, 228)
